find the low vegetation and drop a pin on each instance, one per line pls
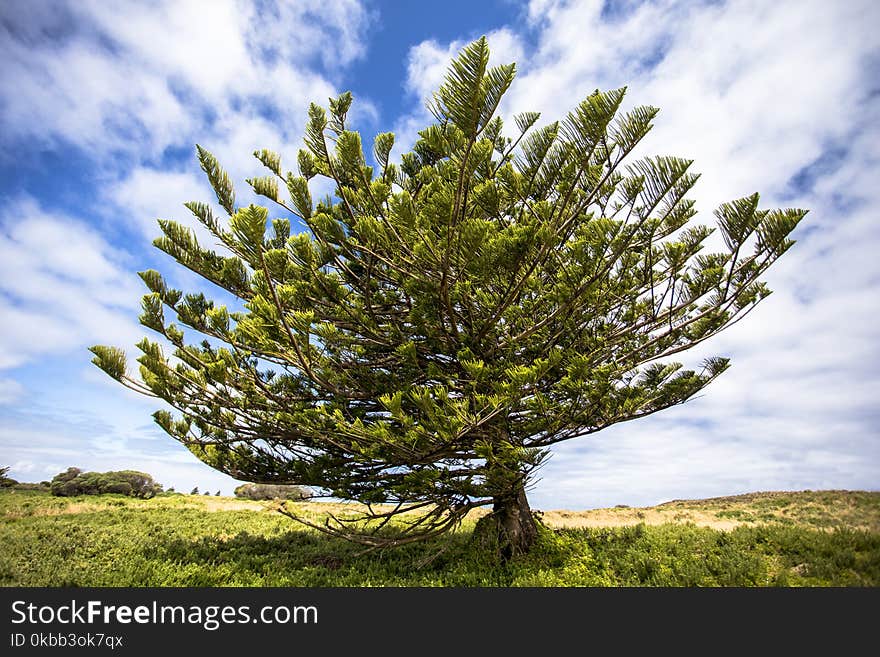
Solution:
(73, 482)
(828, 538)
(271, 492)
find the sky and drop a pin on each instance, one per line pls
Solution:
(100, 111)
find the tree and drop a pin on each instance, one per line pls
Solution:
(74, 481)
(271, 492)
(439, 323)
(64, 483)
(6, 482)
(194, 491)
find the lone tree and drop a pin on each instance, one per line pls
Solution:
(440, 322)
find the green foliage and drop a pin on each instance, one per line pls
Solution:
(439, 322)
(24, 485)
(6, 482)
(271, 492)
(175, 541)
(819, 509)
(73, 482)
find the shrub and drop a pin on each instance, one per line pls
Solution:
(24, 485)
(271, 492)
(132, 483)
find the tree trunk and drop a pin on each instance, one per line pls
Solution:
(516, 524)
(511, 526)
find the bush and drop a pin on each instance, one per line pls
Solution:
(272, 492)
(74, 481)
(24, 485)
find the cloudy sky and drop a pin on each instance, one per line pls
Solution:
(100, 110)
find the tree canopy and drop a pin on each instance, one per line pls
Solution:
(74, 481)
(420, 338)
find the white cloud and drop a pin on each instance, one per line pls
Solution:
(63, 286)
(128, 85)
(141, 78)
(148, 194)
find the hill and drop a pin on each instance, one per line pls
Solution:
(812, 538)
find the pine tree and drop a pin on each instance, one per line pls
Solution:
(440, 322)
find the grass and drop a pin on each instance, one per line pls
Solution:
(826, 538)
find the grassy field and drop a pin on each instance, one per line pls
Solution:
(764, 539)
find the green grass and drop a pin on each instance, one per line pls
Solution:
(175, 541)
(819, 509)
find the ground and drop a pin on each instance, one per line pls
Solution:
(778, 538)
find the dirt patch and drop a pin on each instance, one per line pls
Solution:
(627, 517)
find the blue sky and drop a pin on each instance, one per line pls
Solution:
(100, 111)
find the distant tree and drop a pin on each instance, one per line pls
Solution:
(271, 492)
(68, 475)
(6, 482)
(63, 483)
(23, 485)
(217, 494)
(74, 481)
(194, 491)
(444, 321)
(141, 484)
(170, 489)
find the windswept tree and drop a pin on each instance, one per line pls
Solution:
(74, 481)
(6, 482)
(435, 326)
